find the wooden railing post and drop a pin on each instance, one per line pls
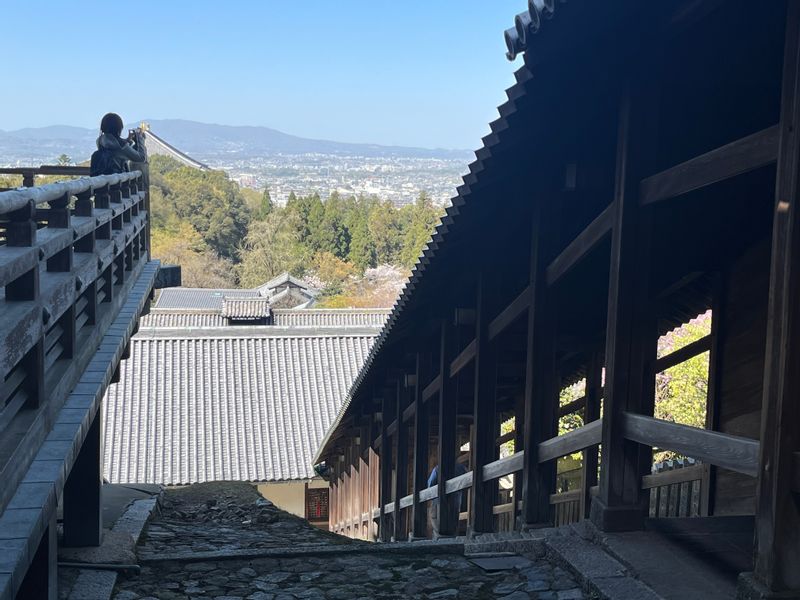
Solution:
(777, 506)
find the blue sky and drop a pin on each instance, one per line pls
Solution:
(420, 72)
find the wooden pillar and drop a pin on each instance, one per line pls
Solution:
(448, 410)
(332, 489)
(777, 504)
(41, 579)
(541, 395)
(401, 468)
(419, 513)
(631, 336)
(484, 426)
(591, 412)
(385, 495)
(83, 516)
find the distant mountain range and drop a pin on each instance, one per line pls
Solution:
(203, 141)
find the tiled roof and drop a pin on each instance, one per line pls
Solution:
(343, 317)
(245, 308)
(198, 298)
(249, 404)
(284, 279)
(182, 319)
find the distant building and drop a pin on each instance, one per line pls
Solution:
(222, 386)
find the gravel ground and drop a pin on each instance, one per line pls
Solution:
(230, 518)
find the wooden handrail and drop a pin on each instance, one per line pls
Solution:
(504, 466)
(12, 200)
(728, 451)
(583, 437)
(682, 475)
(562, 497)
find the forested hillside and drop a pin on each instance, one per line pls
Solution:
(223, 235)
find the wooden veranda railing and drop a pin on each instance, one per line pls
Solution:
(69, 253)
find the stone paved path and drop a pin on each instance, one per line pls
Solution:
(224, 520)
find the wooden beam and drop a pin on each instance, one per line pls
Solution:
(731, 452)
(503, 466)
(692, 473)
(777, 513)
(574, 441)
(696, 348)
(410, 411)
(510, 313)
(463, 359)
(578, 248)
(572, 407)
(456, 484)
(743, 155)
(432, 388)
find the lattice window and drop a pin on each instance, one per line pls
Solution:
(317, 504)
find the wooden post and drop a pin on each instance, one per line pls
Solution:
(419, 511)
(631, 336)
(777, 506)
(386, 467)
(83, 516)
(484, 426)
(448, 409)
(401, 468)
(591, 412)
(538, 480)
(41, 579)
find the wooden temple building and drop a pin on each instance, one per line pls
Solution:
(643, 171)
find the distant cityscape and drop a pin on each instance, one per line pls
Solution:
(399, 179)
(257, 157)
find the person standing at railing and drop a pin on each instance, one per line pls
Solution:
(113, 152)
(454, 499)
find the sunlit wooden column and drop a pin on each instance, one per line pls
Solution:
(778, 493)
(541, 393)
(631, 334)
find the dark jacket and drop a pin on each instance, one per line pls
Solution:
(121, 151)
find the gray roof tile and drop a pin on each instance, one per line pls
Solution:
(219, 407)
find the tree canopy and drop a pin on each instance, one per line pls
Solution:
(240, 236)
